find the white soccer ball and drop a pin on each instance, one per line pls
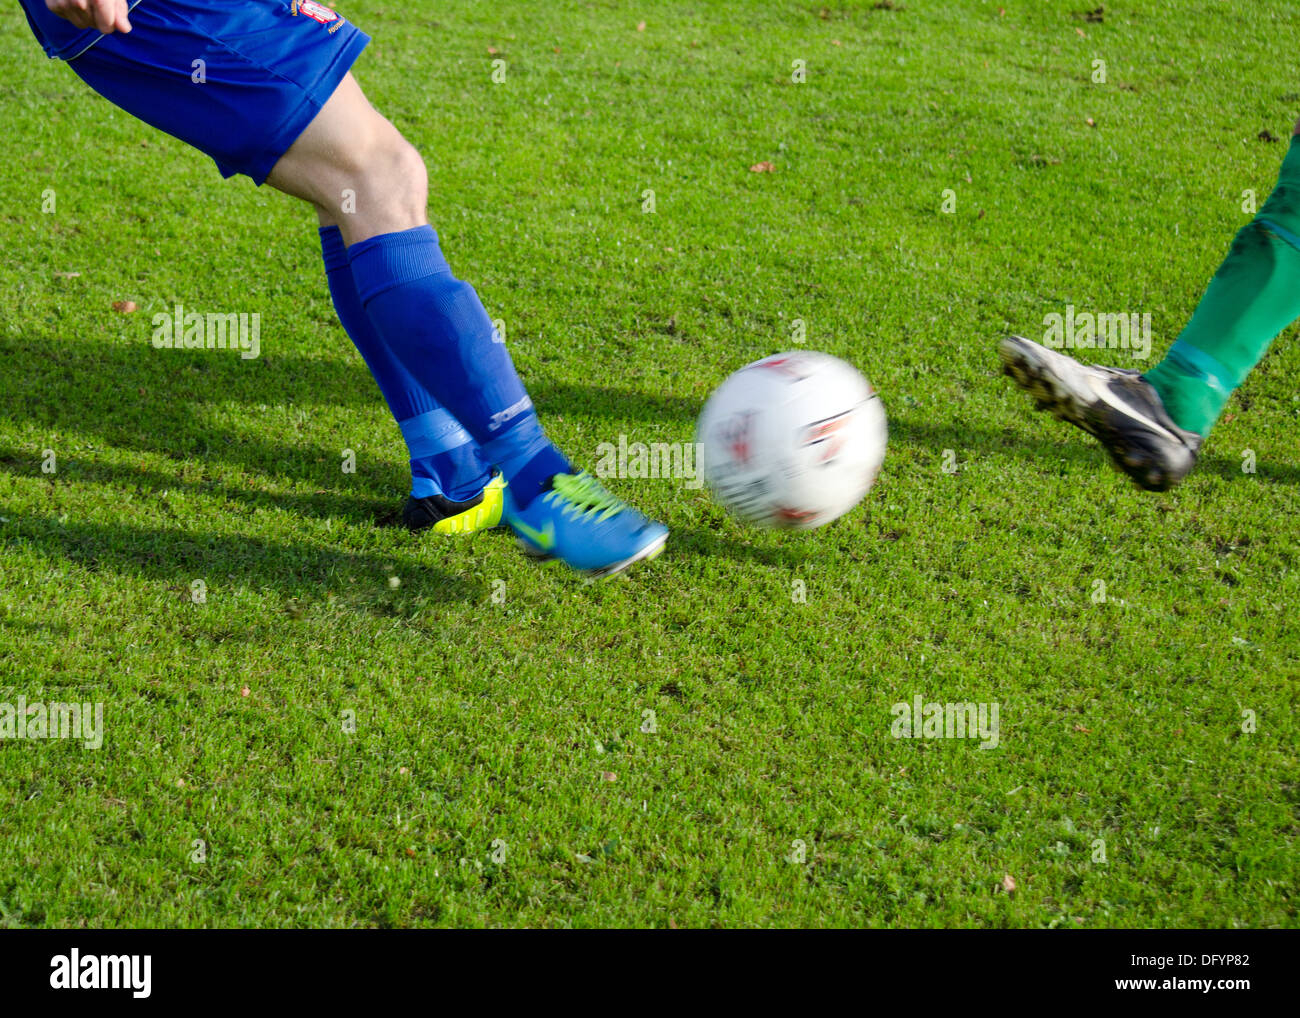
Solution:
(794, 440)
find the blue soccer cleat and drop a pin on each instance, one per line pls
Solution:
(580, 523)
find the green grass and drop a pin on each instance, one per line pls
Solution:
(481, 722)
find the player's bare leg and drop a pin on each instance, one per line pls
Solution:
(304, 125)
(358, 171)
(364, 178)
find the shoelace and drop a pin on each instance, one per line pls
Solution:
(585, 496)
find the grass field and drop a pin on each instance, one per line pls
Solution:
(502, 768)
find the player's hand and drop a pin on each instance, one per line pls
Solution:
(106, 15)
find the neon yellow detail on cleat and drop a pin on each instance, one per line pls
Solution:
(484, 516)
(544, 538)
(585, 496)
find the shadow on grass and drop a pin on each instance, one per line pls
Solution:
(138, 398)
(176, 558)
(705, 542)
(1059, 442)
(163, 401)
(619, 404)
(324, 504)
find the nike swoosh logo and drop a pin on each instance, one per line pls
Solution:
(544, 538)
(1104, 393)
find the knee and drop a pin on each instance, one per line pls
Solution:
(399, 178)
(390, 185)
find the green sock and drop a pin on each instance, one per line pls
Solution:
(1254, 296)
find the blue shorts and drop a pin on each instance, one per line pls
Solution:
(237, 80)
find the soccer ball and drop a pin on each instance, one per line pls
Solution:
(794, 440)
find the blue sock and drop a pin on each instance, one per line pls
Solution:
(444, 458)
(437, 327)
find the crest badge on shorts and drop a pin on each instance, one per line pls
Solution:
(315, 11)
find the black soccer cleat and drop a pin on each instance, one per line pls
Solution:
(1119, 408)
(482, 512)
